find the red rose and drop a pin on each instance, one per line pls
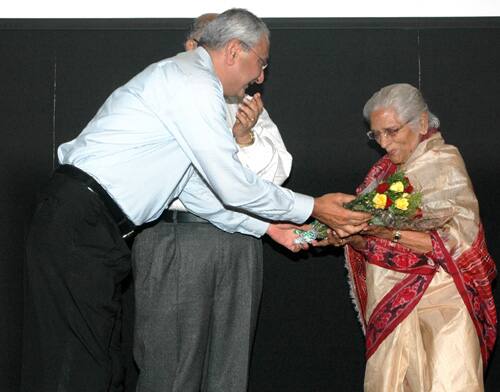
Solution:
(409, 188)
(388, 203)
(418, 213)
(381, 188)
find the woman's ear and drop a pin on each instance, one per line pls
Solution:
(424, 123)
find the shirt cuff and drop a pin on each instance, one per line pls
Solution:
(255, 227)
(302, 209)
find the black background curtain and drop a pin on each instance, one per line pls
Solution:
(55, 74)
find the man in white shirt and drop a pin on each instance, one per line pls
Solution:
(196, 315)
(163, 135)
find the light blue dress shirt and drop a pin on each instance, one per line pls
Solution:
(164, 135)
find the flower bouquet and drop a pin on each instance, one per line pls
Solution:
(392, 203)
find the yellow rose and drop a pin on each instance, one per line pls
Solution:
(379, 201)
(398, 186)
(402, 203)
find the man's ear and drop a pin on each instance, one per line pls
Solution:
(190, 44)
(232, 51)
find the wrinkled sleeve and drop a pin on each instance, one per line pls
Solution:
(201, 130)
(200, 200)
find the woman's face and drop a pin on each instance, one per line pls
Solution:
(394, 136)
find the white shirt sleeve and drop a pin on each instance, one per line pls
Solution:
(200, 128)
(267, 156)
(200, 200)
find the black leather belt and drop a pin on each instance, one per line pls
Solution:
(124, 224)
(181, 217)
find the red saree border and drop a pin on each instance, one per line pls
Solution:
(396, 305)
(480, 304)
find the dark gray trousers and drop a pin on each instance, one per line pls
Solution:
(197, 293)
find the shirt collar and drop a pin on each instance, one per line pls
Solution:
(205, 58)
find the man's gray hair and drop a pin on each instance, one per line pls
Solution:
(406, 100)
(236, 23)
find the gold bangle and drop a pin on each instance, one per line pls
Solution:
(252, 140)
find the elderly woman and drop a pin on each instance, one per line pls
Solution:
(424, 298)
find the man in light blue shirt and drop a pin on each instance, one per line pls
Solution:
(195, 317)
(160, 136)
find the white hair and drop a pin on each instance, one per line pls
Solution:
(406, 100)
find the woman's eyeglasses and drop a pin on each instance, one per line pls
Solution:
(389, 132)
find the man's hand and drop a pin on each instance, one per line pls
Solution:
(283, 234)
(330, 210)
(246, 118)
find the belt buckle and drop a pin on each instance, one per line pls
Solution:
(126, 227)
(126, 235)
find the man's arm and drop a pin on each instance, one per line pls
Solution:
(199, 126)
(268, 157)
(196, 119)
(330, 210)
(200, 200)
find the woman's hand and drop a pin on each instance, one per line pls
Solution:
(419, 242)
(331, 239)
(378, 231)
(356, 241)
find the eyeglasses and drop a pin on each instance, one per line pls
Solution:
(389, 132)
(262, 62)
